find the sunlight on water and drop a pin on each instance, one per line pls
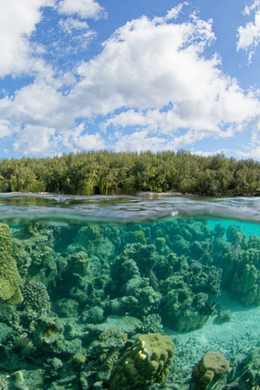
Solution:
(81, 278)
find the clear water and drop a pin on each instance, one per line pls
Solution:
(94, 273)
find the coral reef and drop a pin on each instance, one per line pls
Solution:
(188, 296)
(146, 362)
(35, 296)
(212, 367)
(98, 299)
(240, 263)
(129, 289)
(102, 353)
(34, 253)
(10, 279)
(89, 236)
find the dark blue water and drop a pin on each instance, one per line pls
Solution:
(81, 278)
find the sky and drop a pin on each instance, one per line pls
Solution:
(129, 75)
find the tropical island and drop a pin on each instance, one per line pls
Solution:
(110, 173)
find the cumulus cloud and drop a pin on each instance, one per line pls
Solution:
(90, 142)
(47, 141)
(207, 154)
(6, 128)
(38, 104)
(150, 87)
(37, 140)
(157, 73)
(249, 36)
(251, 151)
(174, 12)
(84, 8)
(140, 141)
(249, 8)
(147, 64)
(79, 138)
(17, 22)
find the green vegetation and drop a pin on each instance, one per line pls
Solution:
(111, 173)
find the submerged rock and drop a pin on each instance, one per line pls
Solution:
(222, 317)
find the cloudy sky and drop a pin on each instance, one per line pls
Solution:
(129, 75)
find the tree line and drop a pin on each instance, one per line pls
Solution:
(110, 173)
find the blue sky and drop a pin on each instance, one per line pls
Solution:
(128, 75)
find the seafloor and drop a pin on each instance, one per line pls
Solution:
(74, 298)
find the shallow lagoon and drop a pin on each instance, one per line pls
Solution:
(94, 273)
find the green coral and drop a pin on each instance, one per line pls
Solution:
(78, 263)
(10, 279)
(89, 236)
(241, 268)
(188, 296)
(137, 236)
(146, 362)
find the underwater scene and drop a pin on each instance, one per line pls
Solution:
(129, 293)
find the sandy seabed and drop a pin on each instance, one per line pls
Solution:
(234, 339)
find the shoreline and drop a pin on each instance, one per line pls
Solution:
(142, 194)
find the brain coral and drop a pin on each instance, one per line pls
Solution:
(146, 362)
(10, 279)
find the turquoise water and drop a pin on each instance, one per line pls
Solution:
(81, 278)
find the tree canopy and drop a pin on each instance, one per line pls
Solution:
(110, 173)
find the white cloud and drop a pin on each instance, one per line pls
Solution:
(207, 154)
(157, 73)
(37, 104)
(79, 32)
(175, 11)
(249, 8)
(143, 140)
(79, 138)
(90, 142)
(140, 141)
(70, 24)
(249, 36)
(6, 128)
(37, 140)
(147, 64)
(47, 141)
(84, 8)
(154, 72)
(252, 151)
(17, 23)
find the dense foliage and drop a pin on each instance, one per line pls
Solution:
(106, 172)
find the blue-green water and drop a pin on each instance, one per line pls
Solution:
(82, 277)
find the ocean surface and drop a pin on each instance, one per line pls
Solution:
(127, 293)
